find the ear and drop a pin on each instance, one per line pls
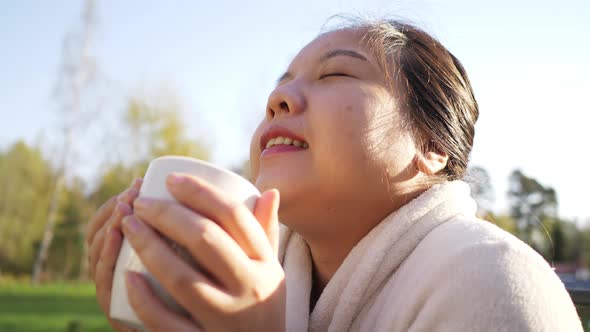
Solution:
(431, 162)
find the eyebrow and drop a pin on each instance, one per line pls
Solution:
(329, 55)
(339, 52)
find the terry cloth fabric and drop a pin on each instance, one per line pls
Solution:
(430, 266)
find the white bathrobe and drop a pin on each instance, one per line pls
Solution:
(430, 266)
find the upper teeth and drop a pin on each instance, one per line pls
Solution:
(286, 141)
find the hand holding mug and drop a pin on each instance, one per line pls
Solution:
(239, 284)
(104, 238)
(232, 279)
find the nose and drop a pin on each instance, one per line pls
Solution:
(285, 99)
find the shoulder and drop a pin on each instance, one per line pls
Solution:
(464, 237)
(488, 275)
(481, 252)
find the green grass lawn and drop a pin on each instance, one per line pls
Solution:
(72, 307)
(50, 308)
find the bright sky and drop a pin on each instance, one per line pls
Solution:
(528, 62)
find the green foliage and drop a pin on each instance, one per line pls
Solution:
(566, 241)
(559, 243)
(27, 182)
(531, 204)
(505, 222)
(152, 128)
(534, 207)
(67, 249)
(585, 247)
(113, 181)
(157, 128)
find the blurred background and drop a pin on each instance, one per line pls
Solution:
(90, 91)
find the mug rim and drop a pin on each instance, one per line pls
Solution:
(207, 164)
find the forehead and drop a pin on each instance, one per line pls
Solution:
(348, 39)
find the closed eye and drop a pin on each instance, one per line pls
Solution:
(334, 75)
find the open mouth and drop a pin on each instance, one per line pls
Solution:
(280, 139)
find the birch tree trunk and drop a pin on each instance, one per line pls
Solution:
(77, 70)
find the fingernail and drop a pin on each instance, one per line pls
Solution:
(131, 224)
(176, 178)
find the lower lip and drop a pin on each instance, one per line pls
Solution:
(280, 149)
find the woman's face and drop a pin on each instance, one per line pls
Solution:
(344, 150)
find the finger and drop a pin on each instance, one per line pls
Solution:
(100, 217)
(105, 268)
(137, 182)
(266, 212)
(122, 210)
(233, 217)
(150, 310)
(124, 201)
(189, 287)
(128, 195)
(214, 250)
(95, 249)
(106, 210)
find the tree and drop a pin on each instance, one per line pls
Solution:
(584, 237)
(152, 127)
(567, 241)
(78, 69)
(530, 203)
(26, 179)
(156, 126)
(66, 258)
(535, 209)
(114, 180)
(559, 244)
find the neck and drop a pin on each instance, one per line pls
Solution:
(330, 246)
(326, 260)
(333, 227)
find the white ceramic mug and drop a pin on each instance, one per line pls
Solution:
(154, 186)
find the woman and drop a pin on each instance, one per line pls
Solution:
(366, 137)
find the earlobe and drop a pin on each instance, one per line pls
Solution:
(431, 162)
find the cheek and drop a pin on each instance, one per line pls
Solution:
(356, 134)
(342, 143)
(352, 123)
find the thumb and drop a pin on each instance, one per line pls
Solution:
(266, 212)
